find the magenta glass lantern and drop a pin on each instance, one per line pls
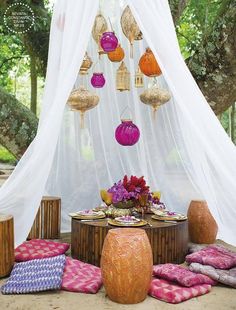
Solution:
(98, 80)
(127, 133)
(109, 41)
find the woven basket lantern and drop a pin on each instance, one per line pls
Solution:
(82, 100)
(86, 64)
(99, 27)
(122, 78)
(138, 78)
(130, 27)
(155, 97)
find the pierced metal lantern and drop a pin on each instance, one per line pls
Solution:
(138, 78)
(122, 78)
(130, 27)
(127, 133)
(109, 41)
(155, 97)
(86, 64)
(82, 100)
(99, 27)
(98, 80)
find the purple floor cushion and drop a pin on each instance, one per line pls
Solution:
(173, 293)
(81, 277)
(39, 248)
(35, 276)
(227, 277)
(215, 256)
(181, 275)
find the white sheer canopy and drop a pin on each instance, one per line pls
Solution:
(184, 151)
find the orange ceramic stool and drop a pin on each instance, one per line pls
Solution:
(126, 265)
(202, 225)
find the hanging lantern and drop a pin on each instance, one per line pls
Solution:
(138, 78)
(86, 64)
(108, 41)
(117, 55)
(82, 100)
(155, 96)
(98, 80)
(122, 78)
(148, 64)
(130, 27)
(139, 36)
(99, 27)
(127, 133)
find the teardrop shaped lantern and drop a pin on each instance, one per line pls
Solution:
(109, 41)
(86, 64)
(148, 64)
(99, 27)
(138, 78)
(127, 133)
(82, 100)
(130, 27)
(155, 96)
(122, 78)
(98, 80)
(117, 55)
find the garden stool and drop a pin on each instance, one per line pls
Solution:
(126, 265)
(6, 244)
(47, 223)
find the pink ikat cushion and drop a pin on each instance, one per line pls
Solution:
(173, 293)
(81, 277)
(39, 248)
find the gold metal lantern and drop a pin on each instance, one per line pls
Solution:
(82, 100)
(86, 64)
(155, 97)
(99, 26)
(130, 27)
(122, 78)
(138, 80)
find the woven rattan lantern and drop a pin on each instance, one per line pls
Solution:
(130, 27)
(122, 78)
(82, 100)
(99, 27)
(86, 64)
(117, 55)
(148, 64)
(155, 97)
(138, 78)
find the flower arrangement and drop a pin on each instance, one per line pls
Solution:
(131, 192)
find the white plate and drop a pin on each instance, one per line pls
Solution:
(127, 219)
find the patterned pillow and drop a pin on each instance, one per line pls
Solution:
(81, 277)
(216, 256)
(173, 293)
(35, 276)
(181, 275)
(39, 248)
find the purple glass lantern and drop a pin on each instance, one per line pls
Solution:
(98, 80)
(127, 133)
(109, 41)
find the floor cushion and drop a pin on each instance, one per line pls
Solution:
(81, 277)
(174, 293)
(35, 276)
(216, 256)
(39, 248)
(181, 275)
(227, 277)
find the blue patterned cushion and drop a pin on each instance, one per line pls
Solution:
(35, 276)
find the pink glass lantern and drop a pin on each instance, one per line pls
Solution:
(98, 80)
(109, 41)
(127, 133)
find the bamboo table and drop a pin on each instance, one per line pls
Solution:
(169, 241)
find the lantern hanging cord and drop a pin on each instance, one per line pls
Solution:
(123, 111)
(110, 24)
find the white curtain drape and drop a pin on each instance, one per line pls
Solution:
(183, 152)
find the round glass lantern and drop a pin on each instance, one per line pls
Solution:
(127, 133)
(109, 41)
(98, 80)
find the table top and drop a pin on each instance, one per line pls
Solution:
(148, 217)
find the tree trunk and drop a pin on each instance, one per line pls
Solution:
(233, 122)
(33, 78)
(18, 125)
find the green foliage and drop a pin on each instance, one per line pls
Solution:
(6, 156)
